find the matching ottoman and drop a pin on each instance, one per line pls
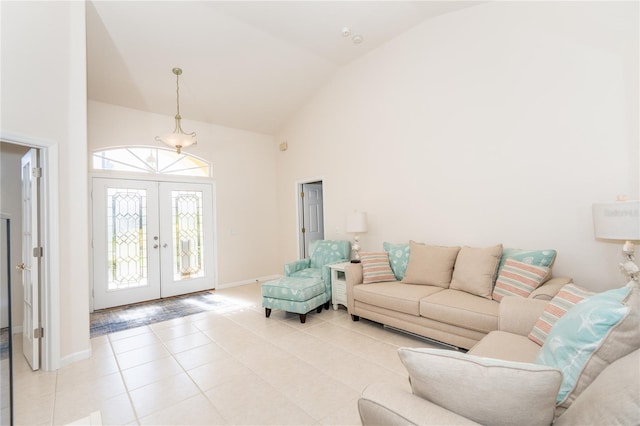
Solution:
(294, 294)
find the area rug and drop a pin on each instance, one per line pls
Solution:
(4, 343)
(130, 316)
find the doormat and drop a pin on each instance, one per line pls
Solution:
(111, 320)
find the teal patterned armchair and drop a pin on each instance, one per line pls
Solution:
(322, 253)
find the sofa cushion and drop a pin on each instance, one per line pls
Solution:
(507, 346)
(518, 279)
(487, 391)
(475, 270)
(375, 267)
(613, 398)
(294, 289)
(461, 309)
(590, 336)
(568, 296)
(431, 265)
(395, 296)
(398, 258)
(533, 257)
(308, 273)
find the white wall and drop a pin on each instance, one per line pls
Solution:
(44, 97)
(500, 123)
(244, 165)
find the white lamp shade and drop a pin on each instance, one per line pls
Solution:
(178, 139)
(617, 221)
(357, 222)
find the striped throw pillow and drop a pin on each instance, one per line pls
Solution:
(376, 268)
(518, 279)
(567, 297)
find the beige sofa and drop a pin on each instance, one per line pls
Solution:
(450, 316)
(613, 397)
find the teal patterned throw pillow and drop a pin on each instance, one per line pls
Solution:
(575, 341)
(398, 258)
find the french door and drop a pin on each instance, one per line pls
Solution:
(150, 240)
(30, 265)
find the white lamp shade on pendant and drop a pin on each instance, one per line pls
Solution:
(181, 140)
(357, 222)
(618, 220)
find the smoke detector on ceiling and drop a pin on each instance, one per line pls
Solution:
(356, 39)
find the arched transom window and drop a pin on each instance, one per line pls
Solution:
(153, 160)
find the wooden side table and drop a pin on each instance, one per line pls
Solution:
(338, 285)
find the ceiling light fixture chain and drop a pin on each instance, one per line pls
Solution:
(179, 138)
(177, 71)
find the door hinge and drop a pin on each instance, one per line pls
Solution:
(38, 333)
(36, 172)
(303, 230)
(37, 252)
(302, 194)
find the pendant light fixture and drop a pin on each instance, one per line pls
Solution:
(178, 139)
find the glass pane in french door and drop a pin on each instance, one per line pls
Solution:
(126, 238)
(187, 234)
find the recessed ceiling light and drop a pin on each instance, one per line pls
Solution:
(357, 39)
(346, 31)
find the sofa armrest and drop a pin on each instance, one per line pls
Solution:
(382, 404)
(518, 315)
(549, 289)
(353, 273)
(353, 276)
(295, 266)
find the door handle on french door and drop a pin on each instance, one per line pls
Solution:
(165, 245)
(155, 246)
(20, 266)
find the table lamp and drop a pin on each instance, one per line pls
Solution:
(356, 224)
(620, 220)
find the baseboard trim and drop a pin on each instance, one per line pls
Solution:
(75, 357)
(245, 282)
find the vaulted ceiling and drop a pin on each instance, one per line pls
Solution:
(248, 65)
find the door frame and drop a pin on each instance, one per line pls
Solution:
(50, 239)
(154, 178)
(300, 210)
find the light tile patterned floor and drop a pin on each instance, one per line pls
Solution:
(232, 366)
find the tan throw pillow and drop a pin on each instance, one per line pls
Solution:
(376, 268)
(485, 390)
(568, 296)
(431, 265)
(475, 270)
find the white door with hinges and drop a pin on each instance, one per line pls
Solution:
(31, 254)
(312, 214)
(150, 240)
